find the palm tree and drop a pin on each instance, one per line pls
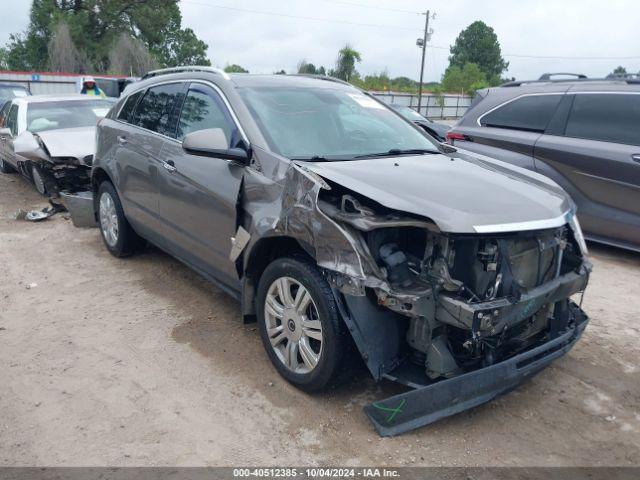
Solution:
(346, 63)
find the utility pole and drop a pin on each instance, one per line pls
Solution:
(422, 43)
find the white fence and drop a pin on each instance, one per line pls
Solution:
(53, 83)
(433, 106)
(43, 83)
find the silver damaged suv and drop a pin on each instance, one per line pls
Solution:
(337, 222)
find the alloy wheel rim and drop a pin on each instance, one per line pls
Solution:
(293, 325)
(108, 219)
(38, 181)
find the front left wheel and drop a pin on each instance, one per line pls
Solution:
(38, 180)
(299, 323)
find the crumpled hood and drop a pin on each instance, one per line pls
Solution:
(70, 142)
(460, 192)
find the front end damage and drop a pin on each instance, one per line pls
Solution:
(459, 318)
(63, 158)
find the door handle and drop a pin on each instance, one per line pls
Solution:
(122, 140)
(636, 157)
(169, 166)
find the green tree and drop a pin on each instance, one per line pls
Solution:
(4, 58)
(464, 80)
(96, 26)
(306, 68)
(235, 69)
(345, 68)
(183, 47)
(478, 44)
(619, 71)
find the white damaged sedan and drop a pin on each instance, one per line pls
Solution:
(51, 139)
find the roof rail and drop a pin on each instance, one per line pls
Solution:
(547, 76)
(194, 68)
(518, 83)
(326, 78)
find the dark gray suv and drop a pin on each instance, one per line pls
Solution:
(337, 223)
(584, 134)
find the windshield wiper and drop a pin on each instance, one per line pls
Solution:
(320, 158)
(398, 151)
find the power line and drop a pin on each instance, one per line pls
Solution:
(372, 7)
(300, 17)
(393, 27)
(569, 58)
(550, 57)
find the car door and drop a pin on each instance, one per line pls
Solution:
(510, 130)
(596, 158)
(199, 195)
(140, 136)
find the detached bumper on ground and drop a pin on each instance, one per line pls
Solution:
(425, 405)
(80, 206)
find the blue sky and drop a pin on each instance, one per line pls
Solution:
(604, 32)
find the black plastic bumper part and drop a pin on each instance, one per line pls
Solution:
(425, 405)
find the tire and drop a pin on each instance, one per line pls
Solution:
(118, 236)
(39, 180)
(5, 167)
(315, 333)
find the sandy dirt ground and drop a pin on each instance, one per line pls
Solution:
(142, 362)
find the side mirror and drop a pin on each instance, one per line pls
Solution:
(6, 132)
(213, 142)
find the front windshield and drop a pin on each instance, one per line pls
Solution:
(53, 115)
(329, 123)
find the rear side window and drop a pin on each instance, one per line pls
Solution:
(605, 117)
(154, 111)
(531, 113)
(202, 109)
(126, 111)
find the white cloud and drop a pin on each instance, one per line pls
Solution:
(264, 43)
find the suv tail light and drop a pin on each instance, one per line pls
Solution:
(451, 136)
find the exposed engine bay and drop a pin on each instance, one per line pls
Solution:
(64, 174)
(453, 303)
(62, 169)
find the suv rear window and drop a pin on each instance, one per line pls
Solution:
(531, 113)
(154, 111)
(605, 117)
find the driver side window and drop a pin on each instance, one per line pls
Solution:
(202, 109)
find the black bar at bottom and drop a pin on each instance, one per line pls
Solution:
(422, 406)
